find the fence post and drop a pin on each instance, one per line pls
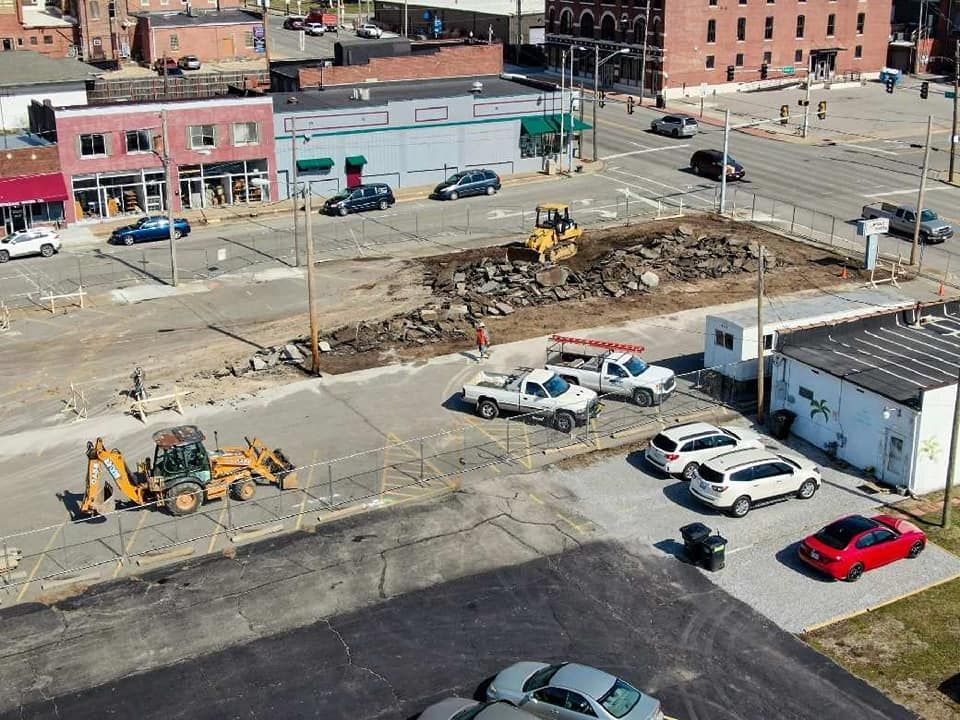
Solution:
(753, 207)
(508, 437)
(421, 458)
(226, 499)
(734, 200)
(330, 484)
(416, 226)
(363, 231)
(793, 219)
(660, 402)
(627, 201)
(681, 206)
(123, 545)
(833, 227)
(773, 209)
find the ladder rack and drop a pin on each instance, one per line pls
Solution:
(601, 344)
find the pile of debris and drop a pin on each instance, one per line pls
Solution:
(498, 286)
(274, 357)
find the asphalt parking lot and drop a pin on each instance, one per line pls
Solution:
(635, 502)
(624, 608)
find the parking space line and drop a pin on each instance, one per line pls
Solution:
(43, 554)
(216, 532)
(475, 424)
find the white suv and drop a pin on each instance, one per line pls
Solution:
(35, 241)
(369, 30)
(314, 28)
(736, 480)
(680, 449)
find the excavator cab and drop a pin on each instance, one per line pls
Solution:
(553, 238)
(180, 453)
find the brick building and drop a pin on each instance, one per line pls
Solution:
(218, 149)
(32, 190)
(214, 35)
(690, 42)
(31, 25)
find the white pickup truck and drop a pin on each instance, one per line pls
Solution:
(526, 390)
(609, 368)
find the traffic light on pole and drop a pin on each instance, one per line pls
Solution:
(730, 73)
(924, 90)
(763, 71)
(784, 114)
(822, 109)
(603, 98)
(630, 102)
(890, 83)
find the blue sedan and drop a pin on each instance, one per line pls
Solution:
(152, 227)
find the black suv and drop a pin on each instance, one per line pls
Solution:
(375, 196)
(708, 162)
(468, 182)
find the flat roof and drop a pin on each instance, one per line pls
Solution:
(230, 16)
(335, 98)
(815, 309)
(885, 353)
(487, 7)
(21, 68)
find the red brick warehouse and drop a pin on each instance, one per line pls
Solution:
(690, 42)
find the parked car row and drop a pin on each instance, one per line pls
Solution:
(730, 469)
(563, 690)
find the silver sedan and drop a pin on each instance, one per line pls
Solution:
(462, 709)
(573, 692)
(676, 125)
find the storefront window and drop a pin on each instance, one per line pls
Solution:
(216, 184)
(539, 145)
(104, 195)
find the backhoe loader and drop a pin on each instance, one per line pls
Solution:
(553, 238)
(183, 473)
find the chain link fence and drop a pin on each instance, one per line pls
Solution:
(77, 551)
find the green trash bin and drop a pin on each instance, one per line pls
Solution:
(714, 553)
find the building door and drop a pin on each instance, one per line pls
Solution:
(354, 175)
(226, 47)
(894, 460)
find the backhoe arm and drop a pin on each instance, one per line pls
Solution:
(102, 465)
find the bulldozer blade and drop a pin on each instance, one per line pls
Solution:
(516, 253)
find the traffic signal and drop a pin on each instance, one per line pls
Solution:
(803, 102)
(822, 109)
(784, 114)
(730, 73)
(603, 98)
(630, 102)
(890, 83)
(924, 90)
(763, 71)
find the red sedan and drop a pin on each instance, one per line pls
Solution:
(847, 547)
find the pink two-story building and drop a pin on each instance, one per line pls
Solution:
(221, 153)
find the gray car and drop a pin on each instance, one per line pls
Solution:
(570, 691)
(676, 126)
(462, 709)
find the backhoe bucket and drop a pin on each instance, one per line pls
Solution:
(521, 253)
(285, 470)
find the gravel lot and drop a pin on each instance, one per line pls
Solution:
(634, 501)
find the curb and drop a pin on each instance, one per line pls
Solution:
(871, 608)
(154, 557)
(246, 535)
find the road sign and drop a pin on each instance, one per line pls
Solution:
(437, 25)
(788, 70)
(949, 94)
(873, 226)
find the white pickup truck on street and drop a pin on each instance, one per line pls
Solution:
(528, 390)
(610, 368)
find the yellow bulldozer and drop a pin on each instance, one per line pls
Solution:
(183, 473)
(553, 238)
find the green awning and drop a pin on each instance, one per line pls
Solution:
(314, 165)
(356, 160)
(545, 124)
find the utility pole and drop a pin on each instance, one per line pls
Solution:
(923, 186)
(951, 460)
(956, 92)
(265, 4)
(314, 345)
(563, 115)
(596, 95)
(806, 109)
(723, 167)
(292, 191)
(168, 181)
(643, 58)
(761, 360)
(405, 22)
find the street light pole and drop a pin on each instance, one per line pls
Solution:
(292, 191)
(806, 109)
(405, 26)
(563, 70)
(596, 95)
(168, 181)
(956, 92)
(923, 186)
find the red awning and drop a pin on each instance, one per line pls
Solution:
(32, 188)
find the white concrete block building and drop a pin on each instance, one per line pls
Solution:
(878, 392)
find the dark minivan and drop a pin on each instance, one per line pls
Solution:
(468, 182)
(375, 196)
(708, 163)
